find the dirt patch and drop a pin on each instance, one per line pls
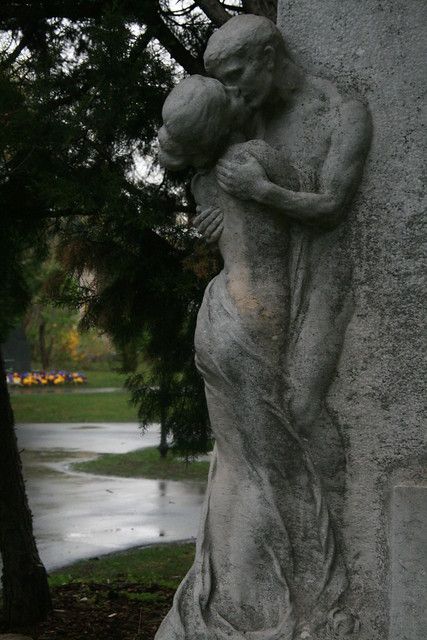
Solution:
(123, 611)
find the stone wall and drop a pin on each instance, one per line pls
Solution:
(376, 49)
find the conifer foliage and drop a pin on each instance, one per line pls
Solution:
(82, 83)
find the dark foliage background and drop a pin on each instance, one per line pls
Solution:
(82, 84)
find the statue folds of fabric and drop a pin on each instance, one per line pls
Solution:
(278, 155)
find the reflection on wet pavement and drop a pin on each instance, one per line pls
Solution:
(79, 515)
(101, 437)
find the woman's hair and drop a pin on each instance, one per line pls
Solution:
(196, 122)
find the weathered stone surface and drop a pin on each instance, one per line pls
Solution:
(279, 154)
(377, 399)
(408, 612)
(316, 288)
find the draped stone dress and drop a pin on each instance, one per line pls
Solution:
(266, 566)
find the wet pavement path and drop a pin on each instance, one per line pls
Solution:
(79, 515)
(20, 391)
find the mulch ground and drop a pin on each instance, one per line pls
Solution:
(105, 612)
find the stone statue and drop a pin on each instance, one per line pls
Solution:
(278, 154)
(326, 136)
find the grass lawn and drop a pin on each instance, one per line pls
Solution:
(124, 596)
(105, 378)
(145, 463)
(163, 565)
(73, 407)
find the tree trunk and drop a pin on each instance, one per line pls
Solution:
(129, 357)
(164, 401)
(163, 446)
(44, 351)
(26, 597)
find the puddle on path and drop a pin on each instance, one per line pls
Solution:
(80, 515)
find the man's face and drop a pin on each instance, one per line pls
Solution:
(252, 77)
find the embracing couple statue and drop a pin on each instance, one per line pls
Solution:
(279, 154)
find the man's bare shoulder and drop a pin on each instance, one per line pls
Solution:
(337, 97)
(355, 117)
(351, 109)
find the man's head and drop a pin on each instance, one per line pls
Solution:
(243, 53)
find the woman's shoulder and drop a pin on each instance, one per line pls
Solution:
(274, 162)
(204, 188)
(240, 150)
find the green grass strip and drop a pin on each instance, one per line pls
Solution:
(145, 463)
(163, 565)
(105, 379)
(73, 407)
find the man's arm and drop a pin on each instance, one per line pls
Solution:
(209, 221)
(339, 178)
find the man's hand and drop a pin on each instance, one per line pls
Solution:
(209, 223)
(244, 181)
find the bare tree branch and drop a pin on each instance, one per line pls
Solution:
(16, 52)
(151, 15)
(176, 49)
(179, 12)
(141, 43)
(214, 11)
(267, 8)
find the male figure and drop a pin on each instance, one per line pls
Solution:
(325, 135)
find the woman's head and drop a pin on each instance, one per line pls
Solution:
(196, 123)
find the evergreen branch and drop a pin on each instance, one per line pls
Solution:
(19, 14)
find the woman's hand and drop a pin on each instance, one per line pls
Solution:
(245, 181)
(209, 223)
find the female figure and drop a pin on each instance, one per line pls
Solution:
(266, 566)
